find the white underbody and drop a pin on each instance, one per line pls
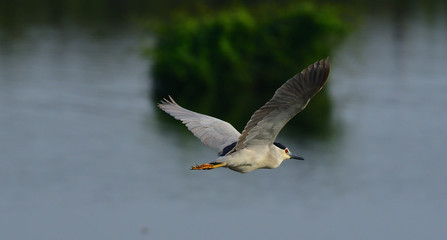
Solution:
(253, 157)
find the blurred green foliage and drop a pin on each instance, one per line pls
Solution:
(223, 57)
(241, 57)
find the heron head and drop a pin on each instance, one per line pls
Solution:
(287, 154)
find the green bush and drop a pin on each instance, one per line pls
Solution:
(240, 56)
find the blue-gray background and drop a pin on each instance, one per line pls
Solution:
(85, 155)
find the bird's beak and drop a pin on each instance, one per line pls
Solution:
(296, 157)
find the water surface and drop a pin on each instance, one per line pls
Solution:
(85, 155)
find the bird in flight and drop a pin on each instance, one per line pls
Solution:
(255, 148)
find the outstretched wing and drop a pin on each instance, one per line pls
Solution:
(211, 131)
(288, 100)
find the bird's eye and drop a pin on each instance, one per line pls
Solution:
(287, 150)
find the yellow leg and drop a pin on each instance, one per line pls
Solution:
(208, 166)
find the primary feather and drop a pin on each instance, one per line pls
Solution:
(211, 131)
(288, 100)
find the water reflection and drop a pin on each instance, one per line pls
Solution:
(85, 155)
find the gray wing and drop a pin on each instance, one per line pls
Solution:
(288, 100)
(211, 131)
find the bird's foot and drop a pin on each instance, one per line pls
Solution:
(207, 166)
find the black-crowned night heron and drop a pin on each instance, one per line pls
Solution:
(255, 147)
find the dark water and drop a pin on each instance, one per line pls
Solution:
(85, 156)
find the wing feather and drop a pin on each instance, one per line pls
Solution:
(213, 132)
(292, 97)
